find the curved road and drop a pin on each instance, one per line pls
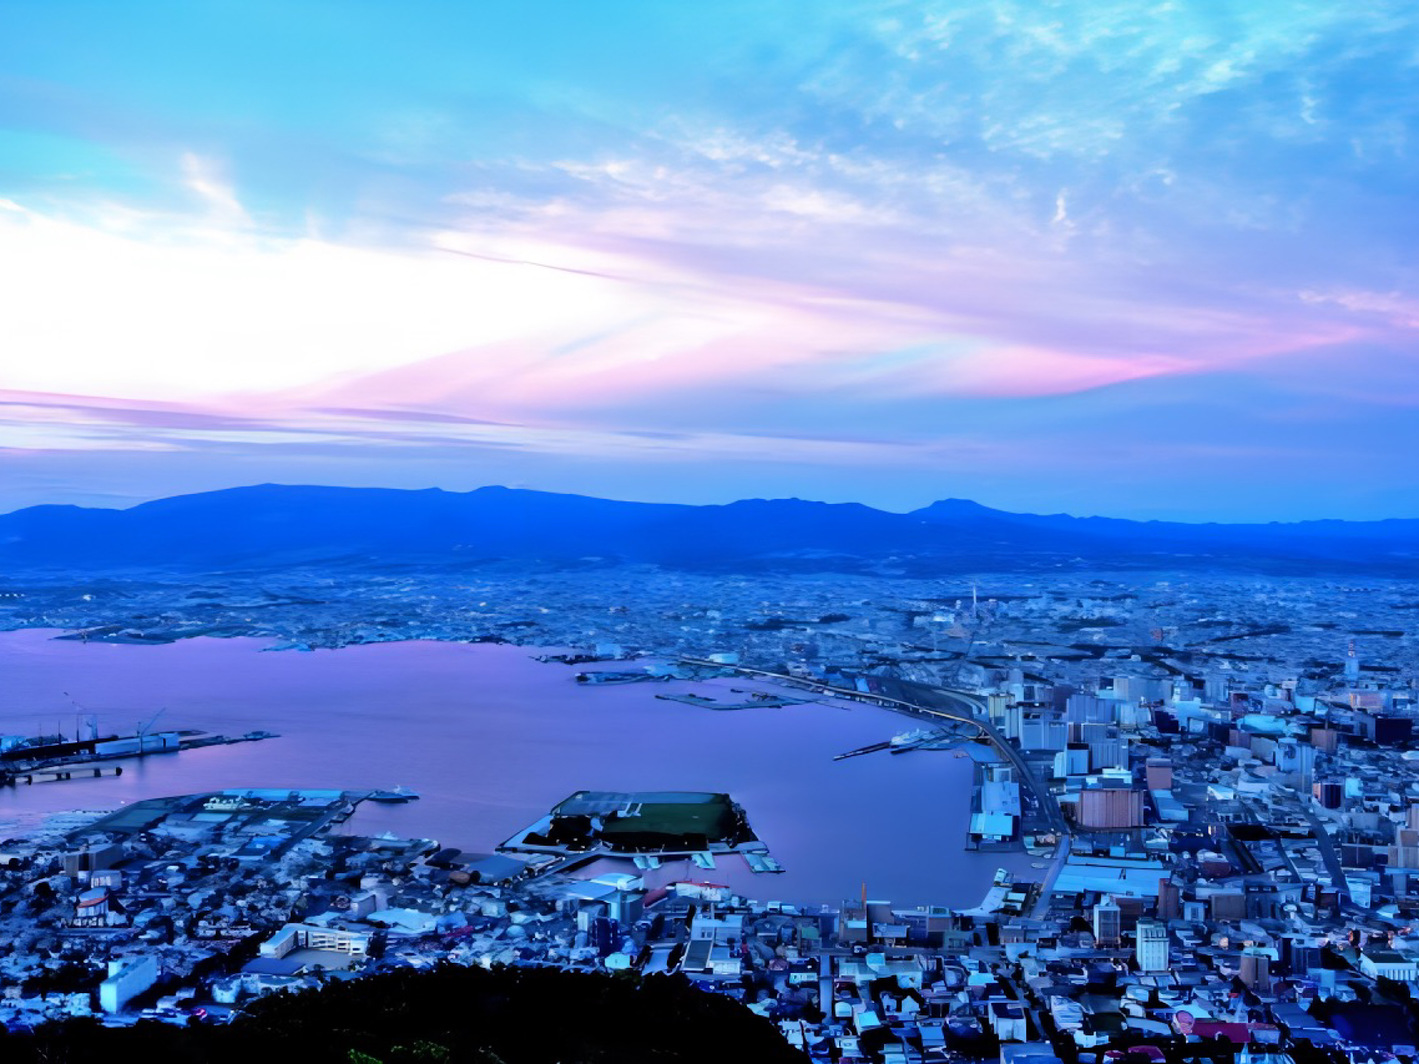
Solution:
(974, 713)
(1028, 777)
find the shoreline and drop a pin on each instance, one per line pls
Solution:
(492, 737)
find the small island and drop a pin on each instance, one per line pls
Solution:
(644, 826)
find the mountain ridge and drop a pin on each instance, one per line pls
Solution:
(276, 524)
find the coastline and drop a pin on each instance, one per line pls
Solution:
(492, 738)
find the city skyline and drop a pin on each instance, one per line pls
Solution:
(1099, 260)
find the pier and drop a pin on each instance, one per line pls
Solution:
(702, 702)
(871, 748)
(87, 763)
(56, 775)
(934, 706)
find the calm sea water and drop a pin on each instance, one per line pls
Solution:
(492, 739)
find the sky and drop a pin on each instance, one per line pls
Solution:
(1150, 260)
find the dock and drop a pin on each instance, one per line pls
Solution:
(87, 763)
(199, 741)
(761, 862)
(56, 775)
(885, 744)
(702, 702)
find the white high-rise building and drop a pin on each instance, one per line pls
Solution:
(127, 978)
(1152, 950)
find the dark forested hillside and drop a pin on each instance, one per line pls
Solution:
(448, 1014)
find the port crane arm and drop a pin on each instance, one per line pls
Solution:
(143, 729)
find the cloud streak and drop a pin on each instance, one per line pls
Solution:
(874, 236)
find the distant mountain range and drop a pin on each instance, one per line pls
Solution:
(271, 525)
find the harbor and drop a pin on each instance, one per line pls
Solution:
(499, 722)
(53, 758)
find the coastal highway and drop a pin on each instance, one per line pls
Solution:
(935, 700)
(924, 700)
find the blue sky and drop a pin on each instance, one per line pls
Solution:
(1143, 260)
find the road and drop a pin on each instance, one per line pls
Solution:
(977, 710)
(1332, 860)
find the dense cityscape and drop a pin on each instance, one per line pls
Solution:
(648, 532)
(1220, 806)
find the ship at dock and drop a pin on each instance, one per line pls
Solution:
(51, 749)
(923, 739)
(395, 796)
(31, 759)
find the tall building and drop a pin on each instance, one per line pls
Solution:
(1298, 761)
(1108, 923)
(1404, 853)
(1329, 794)
(1169, 900)
(1326, 740)
(1042, 729)
(1227, 905)
(1256, 969)
(1159, 773)
(1152, 947)
(127, 978)
(1108, 807)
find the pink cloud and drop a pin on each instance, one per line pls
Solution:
(1032, 371)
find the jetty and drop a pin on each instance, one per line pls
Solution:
(58, 775)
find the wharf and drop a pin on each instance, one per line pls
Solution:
(199, 741)
(85, 765)
(57, 775)
(603, 678)
(871, 748)
(761, 862)
(709, 703)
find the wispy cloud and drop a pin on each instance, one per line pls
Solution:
(838, 234)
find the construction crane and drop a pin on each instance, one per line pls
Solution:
(143, 729)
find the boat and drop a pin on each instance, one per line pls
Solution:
(913, 738)
(760, 861)
(923, 739)
(397, 795)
